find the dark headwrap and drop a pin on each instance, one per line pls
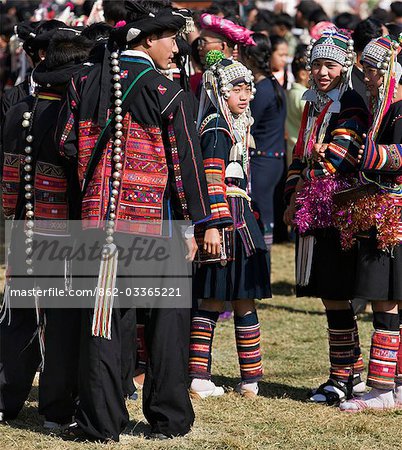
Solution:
(49, 75)
(147, 23)
(37, 35)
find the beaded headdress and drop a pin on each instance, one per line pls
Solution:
(379, 52)
(333, 45)
(382, 54)
(336, 46)
(218, 80)
(226, 72)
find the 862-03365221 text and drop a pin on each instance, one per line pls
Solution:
(128, 292)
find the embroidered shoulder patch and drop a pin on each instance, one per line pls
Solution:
(162, 89)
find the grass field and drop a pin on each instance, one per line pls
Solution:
(295, 359)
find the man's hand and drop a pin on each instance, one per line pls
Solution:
(319, 151)
(192, 248)
(212, 241)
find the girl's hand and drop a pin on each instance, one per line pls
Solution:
(212, 241)
(319, 151)
(361, 150)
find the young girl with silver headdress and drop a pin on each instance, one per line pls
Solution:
(233, 258)
(334, 120)
(377, 219)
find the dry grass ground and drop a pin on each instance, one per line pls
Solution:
(295, 359)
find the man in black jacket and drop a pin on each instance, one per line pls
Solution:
(35, 185)
(140, 168)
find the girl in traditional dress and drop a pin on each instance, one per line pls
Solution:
(334, 118)
(235, 266)
(267, 160)
(377, 219)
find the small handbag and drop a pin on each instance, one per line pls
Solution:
(227, 245)
(341, 198)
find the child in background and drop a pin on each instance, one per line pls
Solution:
(279, 61)
(267, 160)
(294, 102)
(282, 26)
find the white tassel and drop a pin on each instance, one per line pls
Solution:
(304, 260)
(68, 276)
(102, 320)
(6, 305)
(40, 332)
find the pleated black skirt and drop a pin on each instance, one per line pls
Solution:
(243, 278)
(333, 270)
(379, 273)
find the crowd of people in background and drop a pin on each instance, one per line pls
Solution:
(258, 126)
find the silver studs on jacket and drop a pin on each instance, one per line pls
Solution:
(117, 150)
(28, 189)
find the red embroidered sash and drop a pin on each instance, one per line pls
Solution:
(300, 145)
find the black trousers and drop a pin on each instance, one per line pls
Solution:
(102, 412)
(20, 358)
(166, 402)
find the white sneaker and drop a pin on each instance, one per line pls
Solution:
(247, 390)
(376, 399)
(398, 396)
(54, 426)
(201, 389)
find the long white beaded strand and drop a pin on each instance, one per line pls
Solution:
(27, 122)
(117, 151)
(101, 324)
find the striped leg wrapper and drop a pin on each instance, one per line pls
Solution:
(247, 331)
(202, 333)
(341, 353)
(268, 239)
(358, 365)
(398, 378)
(383, 359)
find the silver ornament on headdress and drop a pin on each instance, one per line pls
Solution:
(329, 50)
(226, 75)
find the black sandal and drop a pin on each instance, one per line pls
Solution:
(331, 396)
